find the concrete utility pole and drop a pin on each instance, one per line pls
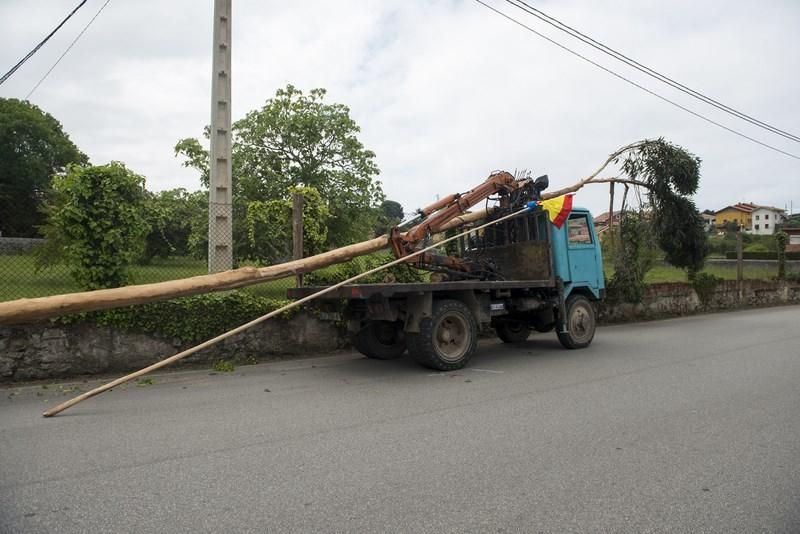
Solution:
(220, 210)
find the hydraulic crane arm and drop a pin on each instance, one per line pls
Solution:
(442, 211)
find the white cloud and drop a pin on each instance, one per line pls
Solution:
(445, 91)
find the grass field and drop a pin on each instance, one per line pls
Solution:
(667, 273)
(19, 279)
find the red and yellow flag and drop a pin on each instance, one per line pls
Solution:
(557, 209)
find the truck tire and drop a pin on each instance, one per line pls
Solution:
(380, 340)
(512, 331)
(580, 323)
(446, 340)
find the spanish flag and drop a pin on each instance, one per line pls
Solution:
(557, 208)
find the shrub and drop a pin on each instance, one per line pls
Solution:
(97, 214)
(704, 285)
(194, 318)
(635, 254)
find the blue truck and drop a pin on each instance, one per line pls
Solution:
(524, 274)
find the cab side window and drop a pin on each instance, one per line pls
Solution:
(578, 230)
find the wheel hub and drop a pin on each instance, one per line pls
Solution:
(451, 337)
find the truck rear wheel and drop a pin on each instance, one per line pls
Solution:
(512, 331)
(580, 323)
(380, 340)
(446, 340)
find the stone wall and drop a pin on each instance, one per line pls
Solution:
(12, 245)
(46, 352)
(676, 299)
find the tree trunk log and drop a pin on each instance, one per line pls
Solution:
(36, 309)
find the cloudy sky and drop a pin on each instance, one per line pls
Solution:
(445, 91)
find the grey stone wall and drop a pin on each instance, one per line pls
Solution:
(11, 245)
(791, 265)
(676, 299)
(46, 352)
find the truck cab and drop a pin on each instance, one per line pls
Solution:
(577, 258)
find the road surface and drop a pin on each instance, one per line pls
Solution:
(686, 425)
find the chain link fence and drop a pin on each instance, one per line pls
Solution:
(32, 268)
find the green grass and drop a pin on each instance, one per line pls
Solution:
(19, 279)
(666, 273)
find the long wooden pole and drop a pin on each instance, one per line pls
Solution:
(188, 352)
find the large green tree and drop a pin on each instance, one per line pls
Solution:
(300, 140)
(33, 147)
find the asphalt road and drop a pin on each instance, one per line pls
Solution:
(687, 425)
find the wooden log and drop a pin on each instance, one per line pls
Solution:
(37, 309)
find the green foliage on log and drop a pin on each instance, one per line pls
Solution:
(338, 273)
(671, 174)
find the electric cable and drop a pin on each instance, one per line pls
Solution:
(46, 74)
(22, 61)
(637, 85)
(552, 21)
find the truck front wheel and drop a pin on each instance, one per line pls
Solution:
(580, 323)
(446, 340)
(380, 340)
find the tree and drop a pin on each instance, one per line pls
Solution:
(173, 216)
(99, 215)
(33, 147)
(269, 226)
(299, 140)
(391, 214)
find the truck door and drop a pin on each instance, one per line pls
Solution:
(581, 251)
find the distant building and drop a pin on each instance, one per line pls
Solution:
(601, 221)
(709, 219)
(751, 218)
(765, 218)
(741, 214)
(792, 227)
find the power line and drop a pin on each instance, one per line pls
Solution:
(8, 74)
(46, 74)
(552, 21)
(637, 85)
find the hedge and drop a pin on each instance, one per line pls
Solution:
(194, 318)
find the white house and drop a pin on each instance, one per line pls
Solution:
(765, 218)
